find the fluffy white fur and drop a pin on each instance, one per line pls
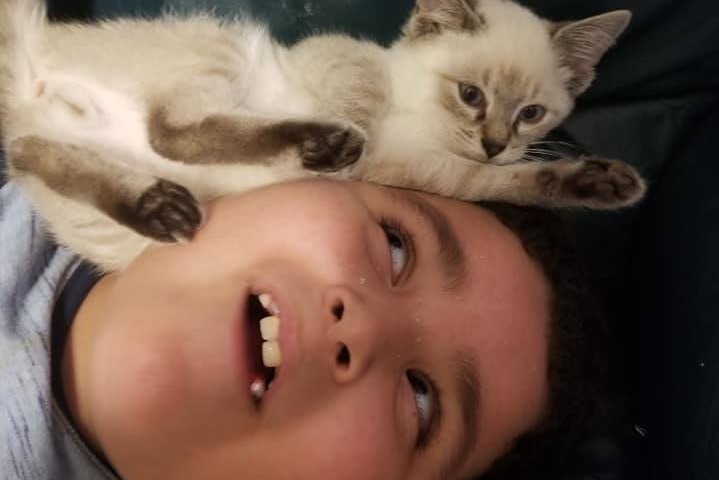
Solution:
(93, 85)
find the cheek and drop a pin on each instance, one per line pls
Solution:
(134, 385)
(147, 384)
(349, 439)
(313, 225)
(315, 237)
(140, 378)
(528, 134)
(344, 437)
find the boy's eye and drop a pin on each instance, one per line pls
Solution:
(400, 248)
(425, 396)
(398, 252)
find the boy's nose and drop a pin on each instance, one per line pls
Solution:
(359, 335)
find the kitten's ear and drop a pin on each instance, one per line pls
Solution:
(432, 17)
(582, 44)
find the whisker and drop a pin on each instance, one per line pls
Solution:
(527, 158)
(561, 148)
(555, 142)
(542, 151)
(543, 154)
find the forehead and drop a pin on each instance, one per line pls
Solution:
(513, 31)
(496, 260)
(508, 84)
(513, 52)
(502, 318)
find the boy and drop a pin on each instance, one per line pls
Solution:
(414, 337)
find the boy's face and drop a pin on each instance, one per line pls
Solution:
(396, 361)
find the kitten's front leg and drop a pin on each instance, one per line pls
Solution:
(155, 208)
(595, 183)
(591, 183)
(252, 139)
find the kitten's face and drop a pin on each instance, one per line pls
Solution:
(494, 112)
(496, 76)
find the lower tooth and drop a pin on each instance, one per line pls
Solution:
(258, 388)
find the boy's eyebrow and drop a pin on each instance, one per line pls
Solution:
(467, 384)
(468, 392)
(451, 253)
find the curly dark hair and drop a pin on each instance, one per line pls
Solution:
(576, 372)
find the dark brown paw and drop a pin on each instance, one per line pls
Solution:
(167, 212)
(604, 184)
(329, 147)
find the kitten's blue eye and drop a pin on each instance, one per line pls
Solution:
(532, 113)
(425, 398)
(471, 95)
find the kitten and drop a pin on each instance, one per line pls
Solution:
(118, 129)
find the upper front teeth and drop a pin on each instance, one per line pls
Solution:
(268, 303)
(270, 328)
(270, 331)
(271, 355)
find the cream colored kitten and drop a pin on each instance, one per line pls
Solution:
(118, 129)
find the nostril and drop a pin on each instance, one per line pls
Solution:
(343, 355)
(338, 310)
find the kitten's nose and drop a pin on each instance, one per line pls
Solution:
(493, 148)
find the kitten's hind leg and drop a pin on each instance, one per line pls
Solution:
(253, 139)
(154, 208)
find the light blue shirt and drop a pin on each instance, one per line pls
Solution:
(37, 442)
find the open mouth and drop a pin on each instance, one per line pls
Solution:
(262, 345)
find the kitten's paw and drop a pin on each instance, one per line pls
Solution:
(167, 212)
(604, 184)
(329, 147)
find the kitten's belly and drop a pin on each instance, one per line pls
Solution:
(273, 96)
(269, 90)
(237, 66)
(208, 182)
